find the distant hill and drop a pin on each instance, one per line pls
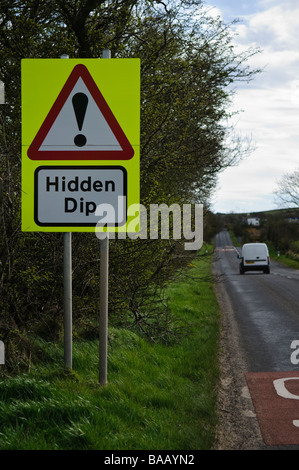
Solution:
(285, 213)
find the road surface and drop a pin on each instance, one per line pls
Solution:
(260, 324)
(266, 309)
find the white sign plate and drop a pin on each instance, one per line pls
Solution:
(80, 195)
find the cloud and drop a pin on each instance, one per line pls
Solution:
(210, 11)
(275, 30)
(278, 25)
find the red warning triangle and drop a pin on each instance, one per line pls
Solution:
(80, 125)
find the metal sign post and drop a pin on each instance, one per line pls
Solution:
(103, 319)
(67, 280)
(104, 274)
(67, 293)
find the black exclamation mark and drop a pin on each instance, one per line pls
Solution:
(80, 101)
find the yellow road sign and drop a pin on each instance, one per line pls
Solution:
(80, 143)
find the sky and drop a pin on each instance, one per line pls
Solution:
(269, 104)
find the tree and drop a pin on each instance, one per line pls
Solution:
(288, 189)
(188, 67)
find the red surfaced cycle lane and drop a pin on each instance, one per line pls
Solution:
(275, 397)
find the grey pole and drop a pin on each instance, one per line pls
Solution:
(67, 291)
(106, 54)
(2, 93)
(103, 320)
(104, 274)
(67, 274)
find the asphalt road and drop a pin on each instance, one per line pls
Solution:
(266, 309)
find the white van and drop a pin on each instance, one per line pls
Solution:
(254, 257)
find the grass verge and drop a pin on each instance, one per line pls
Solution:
(283, 258)
(159, 397)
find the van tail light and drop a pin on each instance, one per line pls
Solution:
(268, 259)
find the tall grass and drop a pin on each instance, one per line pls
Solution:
(158, 396)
